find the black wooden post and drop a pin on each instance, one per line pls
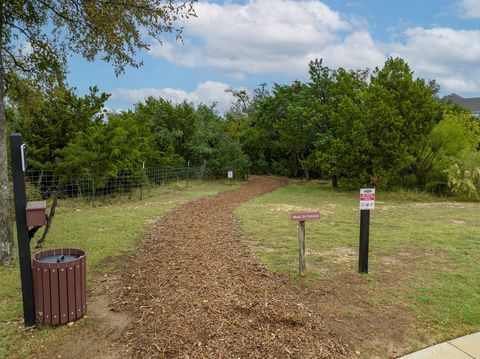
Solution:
(364, 234)
(18, 168)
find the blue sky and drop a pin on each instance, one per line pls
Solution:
(241, 44)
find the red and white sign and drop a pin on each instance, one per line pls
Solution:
(305, 216)
(367, 198)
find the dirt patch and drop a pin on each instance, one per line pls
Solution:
(92, 336)
(457, 221)
(282, 207)
(339, 254)
(371, 311)
(452, 205)
(361, 314)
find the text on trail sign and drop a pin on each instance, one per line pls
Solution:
(305, 216)
(367, 198)
(230, 174)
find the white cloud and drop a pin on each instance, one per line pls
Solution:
(269, 36)
(113, 110)
(358, 50)
(264, 37)
(206, 92)
(455, 83)
(447, 55)
(470, 8)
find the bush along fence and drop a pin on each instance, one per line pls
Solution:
(44, 184)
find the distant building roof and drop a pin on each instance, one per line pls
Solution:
(472, 104)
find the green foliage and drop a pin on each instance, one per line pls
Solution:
(392, 115)
(339, 124)
(38, 36)
(106, 148)
(464, 175)
(214, 146)
(113, 30)
(456, 132)
(385, 132)
(172, 130)
(53, 121)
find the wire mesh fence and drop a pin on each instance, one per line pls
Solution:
(42, 184)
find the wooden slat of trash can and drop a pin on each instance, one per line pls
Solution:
(84, 285)
(63, 289)
(38, 290)
(78, 290)
(54, 295)
(71, 292)
(47, 318)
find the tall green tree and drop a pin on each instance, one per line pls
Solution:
(53, 121)
(296, 115)
(379, 126)
(337, 96)
(37, 36)
(173, 129)
(107, 147)
(49, 125)
(214, 146)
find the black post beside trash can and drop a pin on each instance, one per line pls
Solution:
(59, 282)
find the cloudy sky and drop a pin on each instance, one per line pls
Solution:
(242, 44)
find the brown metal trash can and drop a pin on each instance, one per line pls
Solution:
(60, 285)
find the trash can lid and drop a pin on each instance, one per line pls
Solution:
(58, 258)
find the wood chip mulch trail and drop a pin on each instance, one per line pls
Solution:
(197, 292)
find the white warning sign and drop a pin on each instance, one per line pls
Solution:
(367, 198)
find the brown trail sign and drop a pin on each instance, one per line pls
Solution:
(301, 218)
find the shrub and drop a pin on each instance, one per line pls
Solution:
(464, 175)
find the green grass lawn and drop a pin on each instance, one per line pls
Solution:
(105, 231)
(424, 250)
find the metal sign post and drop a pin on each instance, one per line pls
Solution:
(301, 218)
(367, 202)
(17, 151)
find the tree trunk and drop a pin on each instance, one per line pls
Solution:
(51, 214)
(295, 174)
(6, 231)
(304, 168)
(334, 181)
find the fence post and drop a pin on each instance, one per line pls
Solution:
(141, 183)
(93, 201)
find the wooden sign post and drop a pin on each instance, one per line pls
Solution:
(301, 218)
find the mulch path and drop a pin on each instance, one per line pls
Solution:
(196, 291)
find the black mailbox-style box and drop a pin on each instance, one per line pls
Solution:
(36, 214)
